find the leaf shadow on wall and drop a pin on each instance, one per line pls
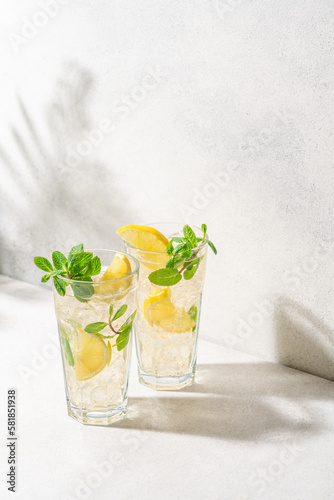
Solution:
(244, 402)
(52, 197)
(303, 341)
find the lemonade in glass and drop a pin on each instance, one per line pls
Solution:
(95, 304)
(171, 278)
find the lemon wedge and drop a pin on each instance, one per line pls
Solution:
(149, 239)
(163, 313)
(154, 297)
(119, 268)
(90, 355)
(143, 237)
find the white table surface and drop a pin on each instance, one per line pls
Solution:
(245, 430)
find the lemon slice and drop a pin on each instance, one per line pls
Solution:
(143, 237)
(90, 355)
(149, 239)
(163, 313)
(154, 297)
(119, 268)
(179, 322)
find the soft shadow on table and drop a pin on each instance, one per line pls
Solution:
(303, 341)
(233, 401)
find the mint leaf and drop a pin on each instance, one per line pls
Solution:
(193, 314)
(191, 269)
(83, 291)
(128, 322)
(165, 277)
(180, 258)
(68, 352)
(82, 277)
(204, 229)
(59, 285)
(123, 338)
(59, 272)
(187, 251)
(79, 261)
(190, 235)
(94, 266)
(63, 332)
(45, 278)
(180, 247)
(110, 311)
(120, 312)
(169, 248)
(211, 245)
(178, 240)
(95, 327)
(171, 262)
(43, 264)
(58, 260)
(76, 249)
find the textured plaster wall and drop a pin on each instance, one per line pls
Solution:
(200, 111)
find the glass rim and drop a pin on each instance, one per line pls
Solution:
(202, 245)
(95, 283)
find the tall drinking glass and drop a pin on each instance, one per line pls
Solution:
(95, 345)
(167, 321)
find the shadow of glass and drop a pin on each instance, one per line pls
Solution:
(234, 401)
(303, 341)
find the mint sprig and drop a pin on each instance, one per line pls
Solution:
(78, 265)
(122, 334)
(183, 251)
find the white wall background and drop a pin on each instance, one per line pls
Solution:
(234, 130)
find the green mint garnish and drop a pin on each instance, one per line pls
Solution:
(66, 345)
(191, 269)
(43, 264)
(190, 236)
(59, 285)
(120, 312)
(95, 327)
(122, 334)
(183, 258)
(68, 351)
(78, 265)
(58, 260)
(165, 277)
(193, 314)
(211, 245)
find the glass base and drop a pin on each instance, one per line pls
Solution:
(166, 383)
(97, 417)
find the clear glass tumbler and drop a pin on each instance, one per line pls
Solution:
(96, 358)
(167, 320)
